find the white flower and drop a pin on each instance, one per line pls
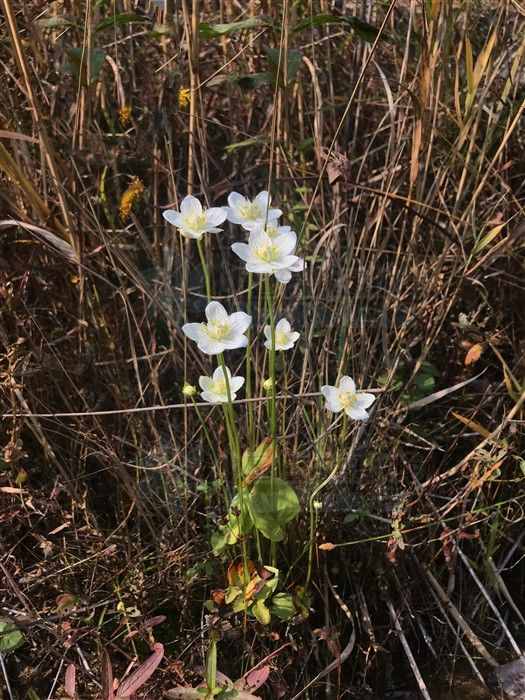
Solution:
(249, 213)
(215, 388)
(272, 229)
(222, 332)
(344, 397)
(193, 221)
(285, 338)
(263, 254)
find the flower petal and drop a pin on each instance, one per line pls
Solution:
(364, 400)
(219, 374)
(190, 206)
(259, 267)
(236, 200)
(210, 346)
(240, 321)
(242, 250)
(215, 216)
(193, 331)
(283, 326)
(263, 200)
(205, 382)
(347, 384)
(215, 312)
(268, 332)
(172, 217)
(357, 413)
(331, 395)
(282, 276)
(212, 397)
(236, 341)
(274, 214)
(297, 266)
(235, 384)
(286, 242)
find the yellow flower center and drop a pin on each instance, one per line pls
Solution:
(218, 330)
(250, 210)
(196, 221)
(271, 230)
(268, 252)
(347, 399)
(220, 387)
(281, 338)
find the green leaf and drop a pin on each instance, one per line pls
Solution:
(211, 666)
(253, 80)
(293, 58)
(273, 504)
(219, 540)
(162, 29)
(55, 23)
(261, 612)
(260, 457)
(255, 141)
(364, 31)
(282, 606)
(303, 601)
(77, 60)
(10, 636)
(32, 695)
(121, 18)
(270, 585)
(317, 21)
(425, 383)
(209, 31)
(240, 604)
(231, 593)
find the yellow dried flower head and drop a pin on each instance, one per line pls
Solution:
(189, 390)
(124, 114)
(184, 97)
(130, 196)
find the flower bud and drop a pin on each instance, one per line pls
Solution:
(268, 384)
(189, 390)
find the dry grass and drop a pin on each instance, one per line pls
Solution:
(401, 164)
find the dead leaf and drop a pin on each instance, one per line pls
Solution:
(477, 483)
(70, 683)
(254, 679)
(326, 546)
(137, 679)
(474, 354)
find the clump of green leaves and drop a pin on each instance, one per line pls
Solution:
(253, 591)
(271, 503)
(423, 384)
(10, 636)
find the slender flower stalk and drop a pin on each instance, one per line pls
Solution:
(248, 361)
(235, 450)
(205, 270)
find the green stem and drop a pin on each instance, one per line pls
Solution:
(313, 514)
(273, 402)
(205, 270)
(235, 450)
(250, 405)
